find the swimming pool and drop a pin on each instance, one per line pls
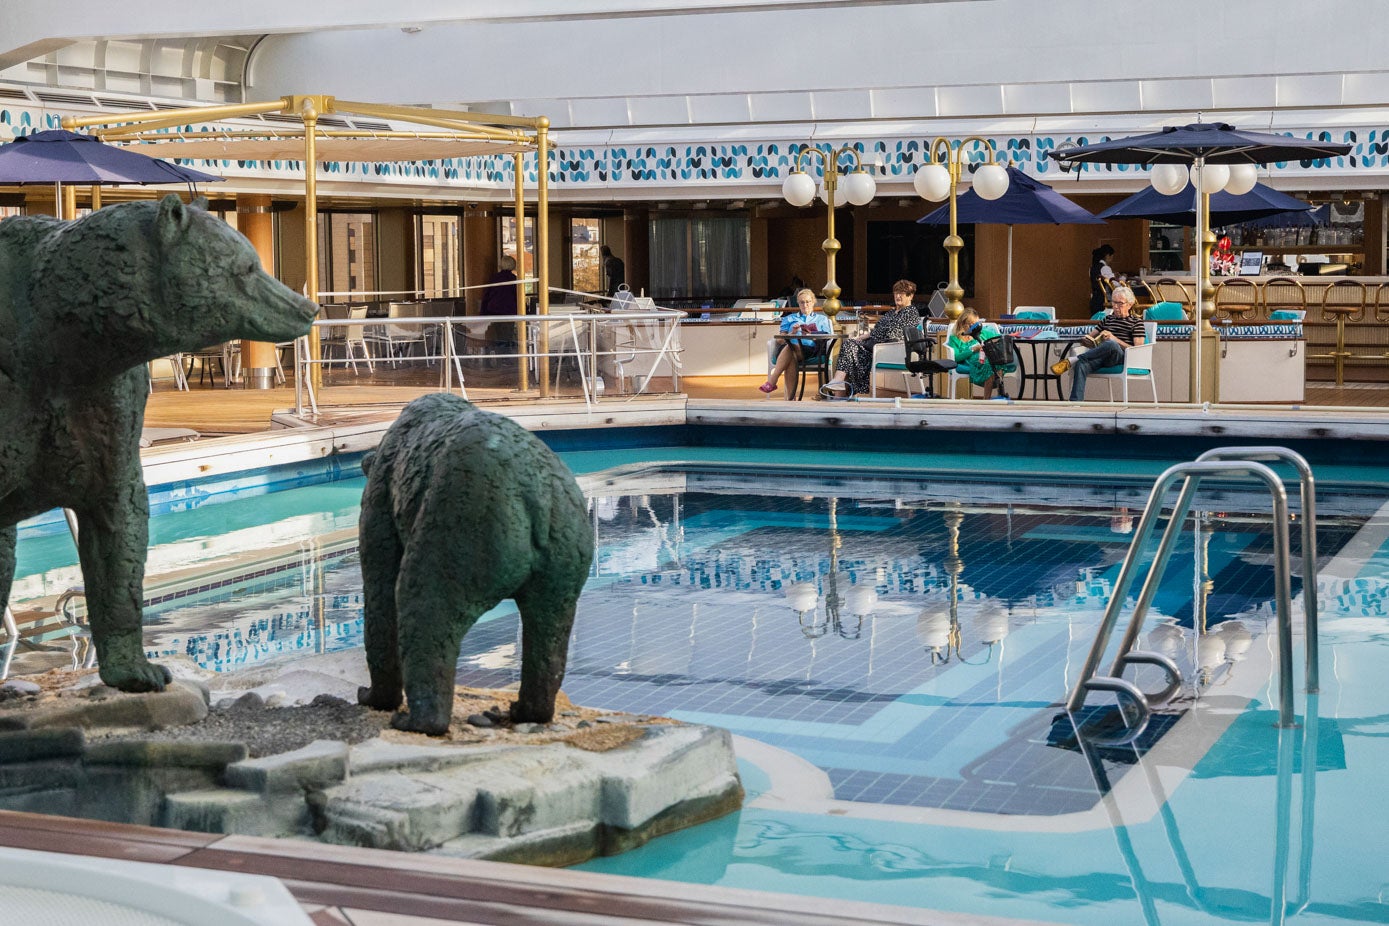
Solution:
(891, 647)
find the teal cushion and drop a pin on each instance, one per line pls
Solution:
(1032, 316)
(1136, 371)
(1285, 315)
(1098, 315)
(1111, 371)
(1165, 312)
(889, 366)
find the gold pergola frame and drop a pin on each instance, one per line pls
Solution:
(514, 134)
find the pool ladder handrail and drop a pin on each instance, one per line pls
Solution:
(1224, 461)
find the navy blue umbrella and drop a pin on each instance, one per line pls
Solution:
(1226, 208)
(1027, 202)
(1216, 142)
(1200, 143)
(59, 156)
(1319, 217)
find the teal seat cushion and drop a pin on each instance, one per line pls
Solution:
(890, 366)
(1137, 371)
(1165, 312)
(1098, 315)
(1285, 315)
(1111, 371)
(1032, 316)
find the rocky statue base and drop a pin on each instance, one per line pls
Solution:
(273, 762)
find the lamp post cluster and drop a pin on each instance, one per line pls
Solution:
(935, 181)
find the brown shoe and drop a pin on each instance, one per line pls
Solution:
(1060, 366)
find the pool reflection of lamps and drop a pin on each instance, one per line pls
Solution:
(799, 190)
(938, 628)
(804, 597)
(940, 179)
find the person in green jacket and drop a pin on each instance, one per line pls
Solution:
(968, 351)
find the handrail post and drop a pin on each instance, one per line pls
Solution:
(1121, 586)
(1308, 503)
(1281, 569)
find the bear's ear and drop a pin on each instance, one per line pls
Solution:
(173, 218)
(199, 202)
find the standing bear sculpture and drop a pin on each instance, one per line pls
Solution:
(84, 306)
(463, 509)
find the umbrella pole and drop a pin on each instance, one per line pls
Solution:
(58, 198)
(1008, 306)
(1200, 232)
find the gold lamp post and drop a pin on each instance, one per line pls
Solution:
(799, 190)
(941, 179)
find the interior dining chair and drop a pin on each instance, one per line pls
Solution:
(354, 339)
(397, 339)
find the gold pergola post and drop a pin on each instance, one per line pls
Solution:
(508, 132)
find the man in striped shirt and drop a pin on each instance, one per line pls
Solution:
(1115, 333)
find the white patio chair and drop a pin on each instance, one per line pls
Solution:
(1137, 365)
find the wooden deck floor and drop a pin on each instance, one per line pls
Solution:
(215, 410)
(350, 886)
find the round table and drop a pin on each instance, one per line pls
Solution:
(1036, 354)
(819, 363)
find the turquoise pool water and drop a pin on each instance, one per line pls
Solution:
(900, 749)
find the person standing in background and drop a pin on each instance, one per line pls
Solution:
(498, 298)
(1100, 276)
(613, 269)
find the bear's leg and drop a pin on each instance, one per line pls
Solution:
(547, 615)
(112, 537)
(380, 558)
(435, 611)
(429, 660)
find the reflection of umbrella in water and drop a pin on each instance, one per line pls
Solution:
(59, 156)
(1013, 558)
(1226, 208)
(1026, 202)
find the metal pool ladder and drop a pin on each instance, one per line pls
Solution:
(1227, 462)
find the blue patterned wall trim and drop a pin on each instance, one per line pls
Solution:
(679, 164)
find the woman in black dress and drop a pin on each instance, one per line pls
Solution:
(854, 368)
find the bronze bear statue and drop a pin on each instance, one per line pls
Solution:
(84, 305)
(463, 509)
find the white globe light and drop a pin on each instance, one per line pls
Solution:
(859, 187)
(1214, 177)
(1238, 639)
(933, 629)
(1169, 179)
(825, 196)
(1210, 650)
(1166, 639)
(798, 189)
(802, 596)
(995, 627)
(1242, 179)
(932, 182)
(991, 181)
(861, 599)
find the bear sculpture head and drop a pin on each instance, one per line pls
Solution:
(147, 279)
